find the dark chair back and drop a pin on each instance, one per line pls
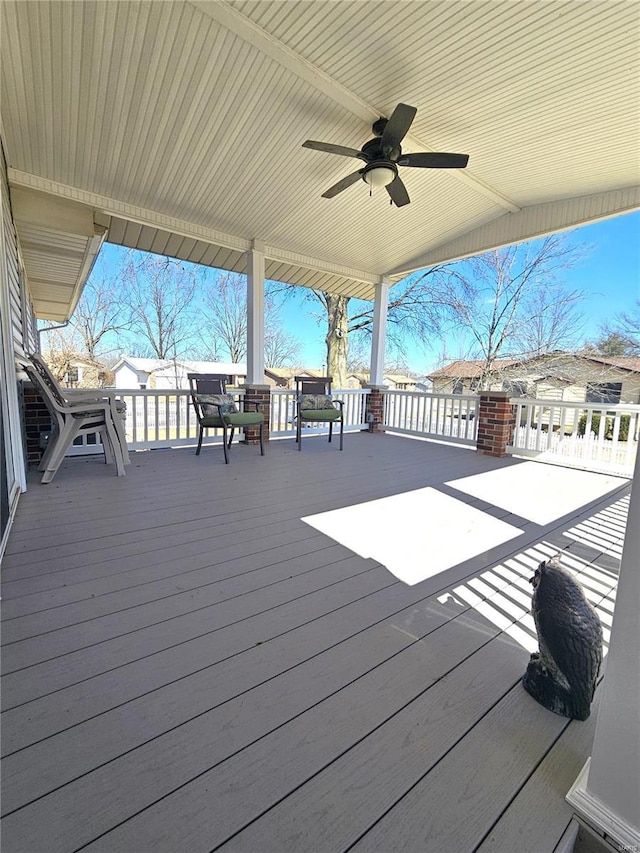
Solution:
(205, 383)
(313, 385)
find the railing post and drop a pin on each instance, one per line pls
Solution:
(260, 394)
(607, 791)
(374, 408)
(495, 423)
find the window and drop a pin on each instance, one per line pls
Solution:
(604, 392)
(515, 388)
(73, 376)
(458, 386)
(143, 387)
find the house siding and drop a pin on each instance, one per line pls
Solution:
(17, 336)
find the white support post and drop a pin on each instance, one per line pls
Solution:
(255, 314)
(379, 339)
(606, 794)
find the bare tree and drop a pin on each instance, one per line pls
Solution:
(160, 295)
(549, 320)
(280, 348)
(225, 316)
(621, 334)
(414, 312)
(61, 346)
(509, 301)
(224, 330)
(100, 313)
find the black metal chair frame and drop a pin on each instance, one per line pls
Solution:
(214, 384)
(320, 386)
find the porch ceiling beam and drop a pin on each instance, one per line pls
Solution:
(236, 22)
(527, 224)
(144, 216)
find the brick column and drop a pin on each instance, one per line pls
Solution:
(495, 423)
(260, 394)
(37, 420)
(375, 407)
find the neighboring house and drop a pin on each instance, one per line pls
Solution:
(569, 377)
(77, 371)
(393, 381)
(461, 377)
(284, 377)
(159, 374)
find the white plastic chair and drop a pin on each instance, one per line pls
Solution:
(77, 415)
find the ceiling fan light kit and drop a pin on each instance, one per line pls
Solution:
(383, 154)
(379, 174)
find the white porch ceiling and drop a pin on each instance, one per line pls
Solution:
(179, 125)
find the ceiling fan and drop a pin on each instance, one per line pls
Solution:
(382, 155)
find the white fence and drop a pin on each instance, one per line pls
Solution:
(167, 419)
(447, 417)
(596, 437)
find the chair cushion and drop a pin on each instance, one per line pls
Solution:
(214, 404)
(320, 414)
(315, 402)
(244, 418)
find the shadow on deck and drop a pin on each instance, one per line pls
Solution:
(189, 666)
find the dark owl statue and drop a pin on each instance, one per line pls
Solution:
(562, 675)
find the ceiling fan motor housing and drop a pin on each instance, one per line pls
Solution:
(373, 150)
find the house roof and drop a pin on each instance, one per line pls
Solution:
(467, 369)
(157, 365)
(471, 369)
(630, 363)
(178, 128)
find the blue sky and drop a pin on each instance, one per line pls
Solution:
(609, 277)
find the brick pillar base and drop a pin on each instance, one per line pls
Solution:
(496, 420)
(260, 394)
(37, 421)
(374, 412)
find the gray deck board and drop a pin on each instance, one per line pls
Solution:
(187, 664)
(520, 827)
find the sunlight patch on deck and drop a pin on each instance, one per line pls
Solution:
(542, 493)
(416, 534)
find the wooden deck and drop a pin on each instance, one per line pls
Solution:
(188, 666)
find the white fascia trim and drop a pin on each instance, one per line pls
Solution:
(236, 22)
(598, 815)
(130, 212)
(94, 244)
(144, 216)
(529, 224)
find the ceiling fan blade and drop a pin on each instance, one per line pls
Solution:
(333, 149)
(434, 160)
(344, 184)
(397, 127)
(398, 192)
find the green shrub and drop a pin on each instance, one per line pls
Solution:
(623, 434)
(595, 424)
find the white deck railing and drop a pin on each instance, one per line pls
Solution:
(283, 411)
(596, 437)
(166, 418)
(447, 417)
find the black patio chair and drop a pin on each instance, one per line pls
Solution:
(216, 409)
(314, 403)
